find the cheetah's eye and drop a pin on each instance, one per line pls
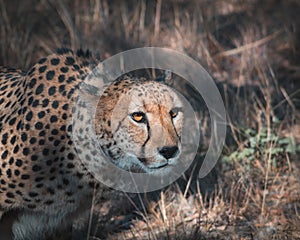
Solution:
(174, 113)
(138, 117)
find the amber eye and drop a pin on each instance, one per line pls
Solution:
(174, 113)
(138, 117)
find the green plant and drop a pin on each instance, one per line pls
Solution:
(258, 144)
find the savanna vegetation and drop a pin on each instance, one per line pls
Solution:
(252, 50)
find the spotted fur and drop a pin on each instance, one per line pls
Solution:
(40, 172)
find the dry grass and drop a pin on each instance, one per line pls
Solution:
(251, 48)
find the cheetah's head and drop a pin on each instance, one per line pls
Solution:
(138, 124)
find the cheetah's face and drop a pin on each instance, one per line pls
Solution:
(146, 126)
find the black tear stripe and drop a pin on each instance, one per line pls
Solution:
(179, 137)
(149, 135)
(179, 109)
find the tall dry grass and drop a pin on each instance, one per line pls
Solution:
(251, 48)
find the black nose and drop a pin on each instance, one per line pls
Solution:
(168, 152)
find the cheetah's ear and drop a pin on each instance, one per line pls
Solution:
(165, 78)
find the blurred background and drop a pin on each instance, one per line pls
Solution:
(251, 49)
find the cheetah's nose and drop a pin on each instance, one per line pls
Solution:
(168, 151)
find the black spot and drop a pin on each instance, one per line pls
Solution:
(32, 140)
(71, 156)
(70, 79)
(29, 116)
(51, 138)
(56, 143)
(64, 116)
(4, 154)
(25, 176)
(19, 163)
(12, 121)
(41, 114)
(8, 173)
(32, 83)
(64, 69)
(33, 194)
(70, 165)
(42, 69)
(61, 78)
(10, 195)
(7, 104)
(49, 162)
(52, 90)
(14, 84)
(41, 61)
(30, 100)
(76, 67)
(35, 103)
(34, 157)
(39, 179)
(65, 107)
(69, 128)
(11, 160)
(19, 125)
(36, 168)
(79, 175)
(8, 95)
(39, 89)
(13, 140)
(25, 151)
(24, 137)
(45, 151)
(54, 132)
(50, 75)
(69, 61)
(45, 102)
(4, 138)
(3, 88)
(54, 61)
(55, 104)
(11, 185)
(24, 109)
(16, 149)
(38, 125)
(19, 193)
(17, 172)
(61, 88)
(31, 71)
(39, 185)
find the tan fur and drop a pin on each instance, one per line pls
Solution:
(41, 174)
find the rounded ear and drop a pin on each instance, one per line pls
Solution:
(165, 78)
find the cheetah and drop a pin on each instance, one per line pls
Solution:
(41, 174)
